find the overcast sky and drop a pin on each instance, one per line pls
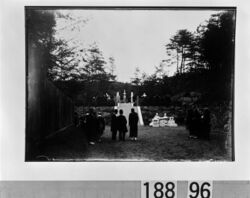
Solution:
(134, 38)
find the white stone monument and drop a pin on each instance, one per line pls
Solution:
(127, 106)
(117, 98)
(124, 96)
(155, 121)
(164, 120)
(158, 121)
(171, 122)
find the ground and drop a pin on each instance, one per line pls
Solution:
(154, 144)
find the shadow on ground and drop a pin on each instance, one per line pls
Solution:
(154, 144)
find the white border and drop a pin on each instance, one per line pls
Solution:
(12, 107)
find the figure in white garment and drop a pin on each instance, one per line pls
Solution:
(164, 120)
(124, 96)
(158, 121)
(155, 121)
(132, 95)
(171, 122)
(117, 97)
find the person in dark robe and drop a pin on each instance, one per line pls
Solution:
(114, 124)
(206, 124)
(197, 123)
(133, 121)
(190, 122)
(91, 127)
(101, 125)
(122, 125)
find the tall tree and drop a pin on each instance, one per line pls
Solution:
(179, 47)
(93, 67)
(217, 41)
(136, 80)
(60, 59)
(40, 31)
(40, 27)
(160, 70)
(112, 67)
(217, 51)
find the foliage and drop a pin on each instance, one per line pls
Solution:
(112, 68)
(74, 69)
(182, 46)
(57, 56)
(204, 63)
(217, 51)
(40, 27)
(137, 78)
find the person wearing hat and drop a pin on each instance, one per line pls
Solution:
(114, 124)
(122, 125)
(91, 126)
(133, 125)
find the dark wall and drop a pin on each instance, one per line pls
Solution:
(47, 108)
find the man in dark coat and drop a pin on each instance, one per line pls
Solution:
(133, 121)
(101, 126)
(91, 127)
(122, 125)
(206, 124)
(197, 127)
(190, 122)
(114, 124)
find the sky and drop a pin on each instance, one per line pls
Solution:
(135, 38)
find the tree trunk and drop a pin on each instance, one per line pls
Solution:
(177, 56)
(182, 60)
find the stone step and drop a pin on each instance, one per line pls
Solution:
(126, 107)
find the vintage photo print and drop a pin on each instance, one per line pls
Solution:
(143, 84)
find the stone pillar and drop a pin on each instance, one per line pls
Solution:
(124, 96)
(117, 98)
(132, 94)
(137, 101)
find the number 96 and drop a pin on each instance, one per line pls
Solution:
(201, 190)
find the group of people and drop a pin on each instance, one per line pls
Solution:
(94, 125)
(119, 124)
(198, 123)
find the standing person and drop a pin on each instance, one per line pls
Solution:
(133, 121)
(206, 124)
(101, 125)
(114, 124)
(91, 126)
(122, 125)
(197, 123)
(190, 123)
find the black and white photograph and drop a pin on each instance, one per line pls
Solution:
(129, 84)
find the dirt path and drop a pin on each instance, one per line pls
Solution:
(154, 144)
(160, 144)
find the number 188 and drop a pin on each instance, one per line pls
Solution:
(160, 189)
